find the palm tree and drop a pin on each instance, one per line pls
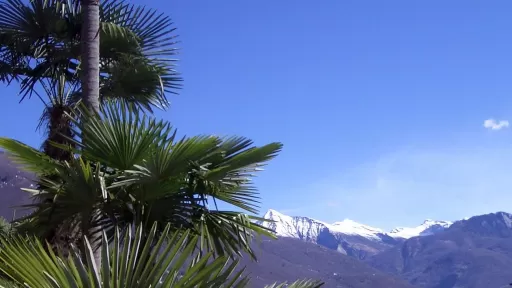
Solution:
(134, 170)
(42, 39)
(40, 46)
(130, 261)
(59, 101)
(151, 176)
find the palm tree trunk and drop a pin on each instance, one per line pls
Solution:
(90, 41)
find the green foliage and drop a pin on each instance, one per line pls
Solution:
(5, 227)
(5, 283)
(130, 261)
(134, 170)
(131, 171)
(40, 40)
(133, 259)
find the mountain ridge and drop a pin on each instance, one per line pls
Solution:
(472, 253)
(347, 236)
(285, 225)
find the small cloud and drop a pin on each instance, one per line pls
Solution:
(495, 125)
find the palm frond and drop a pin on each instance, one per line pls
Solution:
(133, 170)
(137, 80)
(28, 157)
(122, 137)
(33, 42)
(6, 228)
(155, 30)
(173, 180)
(155, 36)
(227, 233)
(4, 283)
(41, 39)
(168, 260)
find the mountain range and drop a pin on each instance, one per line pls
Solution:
(348, 237)
(475, 252)
(305, 228)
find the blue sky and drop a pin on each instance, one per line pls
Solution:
(380, 104)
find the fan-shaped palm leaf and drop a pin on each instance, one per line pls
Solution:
(133, 170)
(41, 39)
(135, 258)
(29, 158)
(173, 180)
(166, 260)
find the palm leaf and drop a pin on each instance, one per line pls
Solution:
(227, 232)
(130, 261)
(6, 228)
(136, 80)
(28, 157)
(122, 137)
(40, 39)
(172, 181)
(154, 30)
(133, 170)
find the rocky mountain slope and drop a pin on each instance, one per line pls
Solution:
(11, 180)
(288, 259)
(472, 253)
(348, 237)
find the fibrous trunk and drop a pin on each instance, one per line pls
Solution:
(90, 62)
(90, 66)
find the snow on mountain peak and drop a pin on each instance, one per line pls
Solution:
(428, 227)
(351, 227)
(308, 229)
(296, 227)
(271, 213)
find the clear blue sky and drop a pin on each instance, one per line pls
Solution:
(380, 104)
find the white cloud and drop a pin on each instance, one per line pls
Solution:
(495, 125)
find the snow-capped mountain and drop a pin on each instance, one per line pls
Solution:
(428, 227)
(347, 236)
(304, 227)
(307, 228)
(295, 227)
